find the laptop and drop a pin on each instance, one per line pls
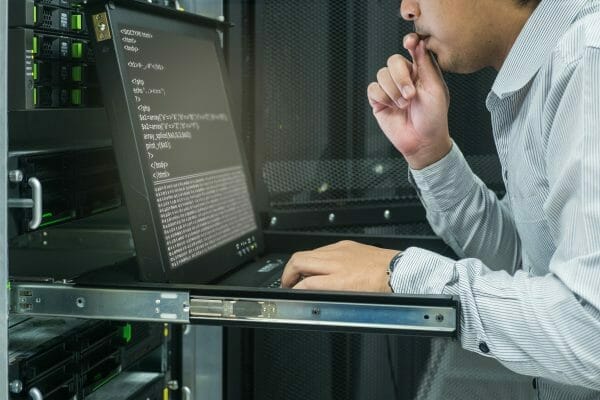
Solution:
(185, 177)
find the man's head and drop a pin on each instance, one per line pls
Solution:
(468, 35)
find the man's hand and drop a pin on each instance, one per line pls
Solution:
(346, 265)
(410, 102)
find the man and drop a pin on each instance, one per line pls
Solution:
(529, 271)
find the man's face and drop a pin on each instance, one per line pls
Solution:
(461, 33)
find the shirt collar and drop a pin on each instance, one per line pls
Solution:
(533, 46)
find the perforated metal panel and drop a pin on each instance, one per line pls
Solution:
(452, 373)
(311, 365)
(320, 145)
(417, 229)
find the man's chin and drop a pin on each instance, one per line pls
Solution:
(448, 64)
(444, 63)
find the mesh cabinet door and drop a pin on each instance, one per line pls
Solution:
(317, 145)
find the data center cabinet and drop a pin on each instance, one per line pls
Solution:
(111, 336)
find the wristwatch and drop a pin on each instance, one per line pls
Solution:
(392, 266)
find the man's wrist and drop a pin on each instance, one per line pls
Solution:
(432, 155)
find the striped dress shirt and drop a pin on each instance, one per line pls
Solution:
(528, 276)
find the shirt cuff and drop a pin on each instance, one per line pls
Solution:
(443, 184)
(421, 271)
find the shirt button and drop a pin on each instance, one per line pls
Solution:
(484, 347)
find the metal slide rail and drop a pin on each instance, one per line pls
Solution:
(325, 314)
(218, 306)
(63, 300)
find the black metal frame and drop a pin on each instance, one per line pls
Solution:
(344, 216)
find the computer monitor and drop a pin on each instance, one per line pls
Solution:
(184, 174)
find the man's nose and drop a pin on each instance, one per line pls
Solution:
(409, 9)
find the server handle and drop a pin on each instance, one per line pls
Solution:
(35, 203)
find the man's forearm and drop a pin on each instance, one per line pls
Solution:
(467, 215)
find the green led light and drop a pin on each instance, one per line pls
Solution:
(35, 14)
(76, 73)
(56, 221)
(126, 333)
(76, 22)
(47, 215)
(77, 50)
(8, 285)
(35, 71)
(35, 96)
(34, 49)
(76, 97)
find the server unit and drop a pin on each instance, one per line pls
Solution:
(76, 359)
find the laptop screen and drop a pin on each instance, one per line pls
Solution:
(182, 167)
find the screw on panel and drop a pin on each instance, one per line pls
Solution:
(15, 386)
(80, 302)
(15, 176)
(439, 318)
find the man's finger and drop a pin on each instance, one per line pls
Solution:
(410, 44)
(400, 70)
(390, 88)
(425, 68)
(377, 96)
(427, 65)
